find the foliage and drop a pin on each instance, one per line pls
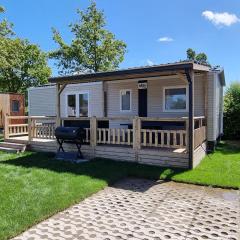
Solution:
(191, 54)
(5, 26)
(200, 57)
(232, 112)
(93, 48)
(22, 64)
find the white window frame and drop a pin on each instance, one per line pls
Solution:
(77, 102)
(176, 87)
(121, 91)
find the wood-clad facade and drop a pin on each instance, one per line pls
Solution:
(12, 104)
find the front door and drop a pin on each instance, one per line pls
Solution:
(142, 98)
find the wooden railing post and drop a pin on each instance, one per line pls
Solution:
(6, 130)
(136, 136)
(93, 133)
(30, 129)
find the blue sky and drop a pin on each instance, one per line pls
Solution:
(211, 26)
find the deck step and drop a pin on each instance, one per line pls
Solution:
(9, 150)
(12, 147)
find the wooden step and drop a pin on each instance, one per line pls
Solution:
(12, 147)
(9, 150)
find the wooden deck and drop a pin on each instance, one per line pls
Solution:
(163, 157)
(148, 146)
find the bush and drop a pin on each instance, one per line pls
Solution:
(232, 112)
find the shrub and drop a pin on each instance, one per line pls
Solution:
(232, 112)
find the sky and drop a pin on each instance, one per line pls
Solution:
(155, 31)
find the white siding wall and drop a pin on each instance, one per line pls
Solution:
(211, 109)
(95, 97)
(215, 105)
(155, 98)
(42, 101)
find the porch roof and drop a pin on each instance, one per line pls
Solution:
(131, 73)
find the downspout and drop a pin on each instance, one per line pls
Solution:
(190, 118)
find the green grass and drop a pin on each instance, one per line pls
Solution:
(220, 169)
(34, 186)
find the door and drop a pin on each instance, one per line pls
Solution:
(142, 98)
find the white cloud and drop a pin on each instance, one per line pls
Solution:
(150, 62)
(221, 19)
(165, 39)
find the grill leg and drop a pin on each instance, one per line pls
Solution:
(79, 150)
(60, 143)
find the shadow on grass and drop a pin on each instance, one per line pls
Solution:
(107, 170)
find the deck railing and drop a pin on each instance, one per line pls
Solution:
(115, 136)
(134, 133)
(137, 135)
(200, 132)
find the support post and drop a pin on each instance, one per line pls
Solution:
(93, 133)
(58, 120)
(190, 77)
(136, 136)
(6, 130)
(30, 130)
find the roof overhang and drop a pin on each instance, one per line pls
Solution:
(133, 73)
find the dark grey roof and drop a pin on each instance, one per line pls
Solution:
(135, 70)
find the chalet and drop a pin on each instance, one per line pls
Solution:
(167, 115)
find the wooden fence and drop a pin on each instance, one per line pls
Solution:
(137, 137)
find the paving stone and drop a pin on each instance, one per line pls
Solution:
(138, 209)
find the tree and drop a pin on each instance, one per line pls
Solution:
(22, 65)
(5, 26)
(232, 112)
(191, 55)
(93, 48)
(200, 57)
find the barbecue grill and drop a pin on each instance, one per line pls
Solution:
(75, 135)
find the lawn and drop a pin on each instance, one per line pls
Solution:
(34, 186)
(220, 169)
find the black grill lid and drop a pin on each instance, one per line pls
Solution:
(70, 133)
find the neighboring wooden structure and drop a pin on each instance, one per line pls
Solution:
(161, 115)
(11, 104)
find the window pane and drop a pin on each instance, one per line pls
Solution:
(71, 108)
(125, 98)
(175, 99)
(15, 106)
(83, 105)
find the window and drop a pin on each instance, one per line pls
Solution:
(83, 105)
(175, 99)
(15, 106)
(77, 105)
(71, 105)
(125, 100)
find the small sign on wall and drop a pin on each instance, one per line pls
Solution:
(142, 85)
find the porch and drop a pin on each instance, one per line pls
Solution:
(138, 142)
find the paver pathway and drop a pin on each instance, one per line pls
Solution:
(143, 209)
